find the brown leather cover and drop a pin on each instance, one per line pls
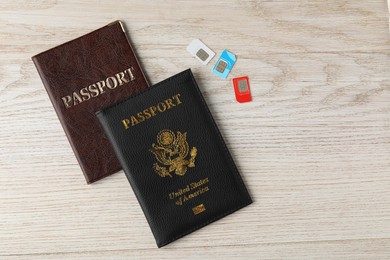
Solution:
(83, 76)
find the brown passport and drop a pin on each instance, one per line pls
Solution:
(86, 75)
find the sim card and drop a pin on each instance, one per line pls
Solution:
(200, 51)
(242, 89)
(224, 64)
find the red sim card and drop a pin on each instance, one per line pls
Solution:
(242, 89)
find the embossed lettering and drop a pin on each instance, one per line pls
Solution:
(140, 117)
(98, 88)
(67, 100)
(134, 121)
(152, 111)
(126, 123)
(169, 103)
(130, 74)
(101, 85)
(161, 107)
(76, 98)
(93, 90)
(147, 114)
(121, 78)
(112, 82)
(85, 94)
(176, 97)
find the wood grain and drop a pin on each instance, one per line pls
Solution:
(313, 147)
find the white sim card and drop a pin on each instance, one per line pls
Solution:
(200, 51)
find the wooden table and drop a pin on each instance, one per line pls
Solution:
(313, 147)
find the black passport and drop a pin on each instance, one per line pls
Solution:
(174, 157)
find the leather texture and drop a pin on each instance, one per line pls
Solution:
(77, 64)
(208, 189)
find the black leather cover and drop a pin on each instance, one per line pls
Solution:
(174, 158)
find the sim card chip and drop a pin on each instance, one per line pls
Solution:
(200, 51)
(242, 89)
(242, 85)
(202, 54)
(224, 64)
(221, 66)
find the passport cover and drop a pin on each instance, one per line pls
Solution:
(83, 76)
(174, 158)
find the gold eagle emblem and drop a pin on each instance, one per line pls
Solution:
(171, 152)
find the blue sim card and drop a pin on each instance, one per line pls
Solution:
(224, 64)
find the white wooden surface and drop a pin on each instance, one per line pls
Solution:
(313, 147)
